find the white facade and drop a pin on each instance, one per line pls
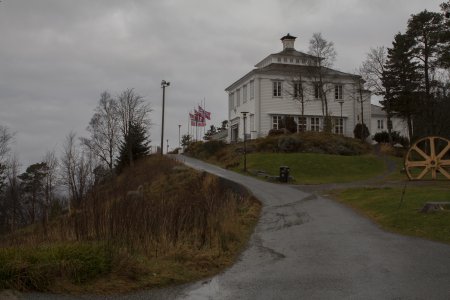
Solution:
(267, 94)
(379, 122)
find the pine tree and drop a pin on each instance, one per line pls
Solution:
(402, 79)
(134, 146)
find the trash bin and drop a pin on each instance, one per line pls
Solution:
(284, 173)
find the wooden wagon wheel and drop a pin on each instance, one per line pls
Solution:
(428, 156)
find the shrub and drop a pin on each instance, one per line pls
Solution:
(361, 131)
(267, 144)
(289, 143)
(205, 149)
(383, 137)
(281, 131)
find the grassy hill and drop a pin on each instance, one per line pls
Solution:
(313, 158)
(185, 225)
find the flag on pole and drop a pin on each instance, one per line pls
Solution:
(204, 113)
(197, 119)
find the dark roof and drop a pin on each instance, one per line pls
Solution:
(293, 52)
(286, 69)
(288, 37)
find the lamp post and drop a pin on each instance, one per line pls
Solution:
(341, 122)
(179, 135)
(164, 84)
(244, 114)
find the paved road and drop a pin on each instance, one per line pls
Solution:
(309, 247)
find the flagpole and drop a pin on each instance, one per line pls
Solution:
(204, 109)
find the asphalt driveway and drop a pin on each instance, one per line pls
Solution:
(309, 247)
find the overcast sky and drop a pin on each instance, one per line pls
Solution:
(57, 56)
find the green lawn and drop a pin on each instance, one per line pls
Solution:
(312, 168)
(383, 206)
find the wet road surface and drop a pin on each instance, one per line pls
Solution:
(309, 247)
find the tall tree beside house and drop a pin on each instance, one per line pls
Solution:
(444, 47)
(296, 91)
(371, 71)
(134, 146)
(325, 55)
(402, 78)
(425, 30)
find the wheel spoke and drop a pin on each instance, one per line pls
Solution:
(433, 173)
(444, 162)
(442, 153)
(423, 173)
(423, 154)
(444, 172)
(432, 148)
(418, 163)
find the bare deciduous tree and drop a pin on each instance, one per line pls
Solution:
(51, 163)
(297, 92)
(104, 130)
(5, 140)
(325, 55)
(371, 71)
(13, 193)
(132, 109)
(77, 170)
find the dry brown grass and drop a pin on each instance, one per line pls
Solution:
(188, 225)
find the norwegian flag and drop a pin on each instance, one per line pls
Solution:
(197, 119)
(206, 114)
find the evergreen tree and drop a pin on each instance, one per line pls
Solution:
(444, 47)
(134, 146)
(33, 187)
(401, 78)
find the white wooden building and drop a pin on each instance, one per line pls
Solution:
(268, 93)
(379, 122)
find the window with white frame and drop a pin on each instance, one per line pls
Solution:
(279, 59)
(238, 97)
(252, 122)
(244, 93)
(231, 101)
(252, 89)
(277, 122)
(277, 88)
(301, 124)
(339, 126)
(297, 90)
(338, 92)
(315, 124)
(380, 124)
(317, 89)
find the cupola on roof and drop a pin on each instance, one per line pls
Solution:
(288, 41)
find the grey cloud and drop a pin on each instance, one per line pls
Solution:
(57, 56)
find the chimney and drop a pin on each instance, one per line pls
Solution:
(288, 42)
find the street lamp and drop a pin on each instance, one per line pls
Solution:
(164, 84)
(179, 135)
(341, 122)
(244, 114)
